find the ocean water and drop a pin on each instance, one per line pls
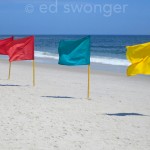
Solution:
(105, 49)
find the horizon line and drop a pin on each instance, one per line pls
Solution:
(77, 34)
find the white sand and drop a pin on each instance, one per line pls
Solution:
(39, 118)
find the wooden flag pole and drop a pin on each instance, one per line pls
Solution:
(33, 67)
(9, 70)
(88, 95)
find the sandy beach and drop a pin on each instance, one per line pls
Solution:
(55, 114)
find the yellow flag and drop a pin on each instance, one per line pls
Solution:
(139, 56)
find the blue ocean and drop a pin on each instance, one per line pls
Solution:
(105, 49)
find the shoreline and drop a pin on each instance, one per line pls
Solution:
(94, 66)
(97, 69)
(103, 70)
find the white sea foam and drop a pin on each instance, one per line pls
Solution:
(101, 60)
(110, 61)
(46, 55)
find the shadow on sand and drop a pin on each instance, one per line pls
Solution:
(61, 97)
(12, 85)
(125, 114)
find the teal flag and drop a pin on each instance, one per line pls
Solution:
(73, 53)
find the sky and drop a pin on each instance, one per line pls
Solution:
(88, 17)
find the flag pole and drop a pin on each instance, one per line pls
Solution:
(88, 95)
(33, 67)
(9, 70)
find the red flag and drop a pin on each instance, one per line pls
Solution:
(3, 45)
(21, 49)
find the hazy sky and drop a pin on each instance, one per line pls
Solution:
(75, 17)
